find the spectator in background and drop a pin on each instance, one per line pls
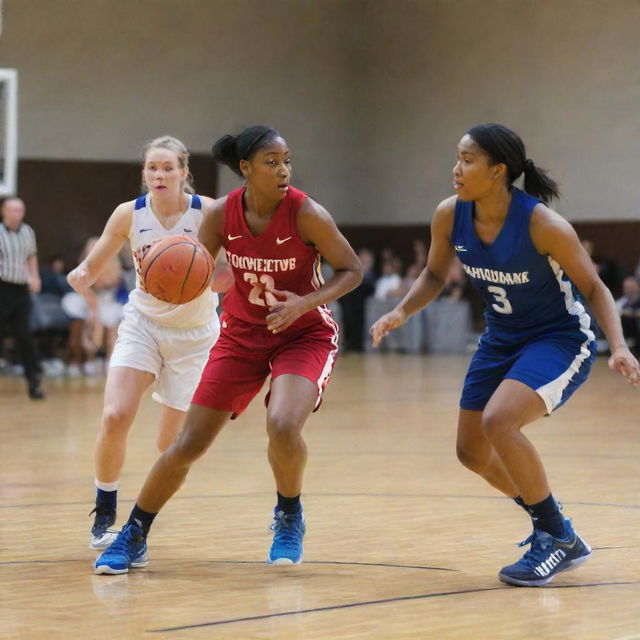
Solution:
(406, 282)
(454, 286)
(607, 269)
(353, 304)
(420, 254)
(19, 278)
(54, 278)
(128, 283)
(390, 280)
(94, 317)
(629, 309)
(637, 271)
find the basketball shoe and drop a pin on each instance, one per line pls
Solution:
(546, 557)
(101, 535)
(128, 550)
(288, 531)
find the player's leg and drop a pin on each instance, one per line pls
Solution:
(544, 376)
(129, 549)
(300, 373)
(230, 379)
(123, 391)
(184, 355)
(487, 369)
(135, 364)
(477, 454)
(292, 399)
(168, 427)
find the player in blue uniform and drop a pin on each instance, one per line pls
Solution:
(538, 346)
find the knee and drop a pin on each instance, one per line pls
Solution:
(116, 419)
(496, 428)
(186, 448)
(283, 432)
(163, 442)
(471, 457)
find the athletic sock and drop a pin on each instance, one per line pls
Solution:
(289, 505)
(520, 502)
(546, 516)
(142, 519)
(106, 499)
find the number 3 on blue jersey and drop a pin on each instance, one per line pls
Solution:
(502, 303)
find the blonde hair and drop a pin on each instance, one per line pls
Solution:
(174, 145)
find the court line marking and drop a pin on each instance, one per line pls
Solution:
(224, 496)
(257, 562)
(368, 603)
(262, 562)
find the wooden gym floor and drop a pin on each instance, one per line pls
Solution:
(402, 542)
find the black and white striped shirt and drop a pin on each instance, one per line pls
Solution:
(16, 247)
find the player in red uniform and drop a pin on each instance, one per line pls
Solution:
(274, 322)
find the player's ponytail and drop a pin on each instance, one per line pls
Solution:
(538, 183)
(503, 145)
(230, 149)
(224, 151)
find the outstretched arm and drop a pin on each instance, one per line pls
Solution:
(110, 242)
(430, 282)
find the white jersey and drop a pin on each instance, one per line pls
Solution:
(146, 229)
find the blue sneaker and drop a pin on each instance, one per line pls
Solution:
(101, 533)
(547, 557)
(288, 531)
(128, 550)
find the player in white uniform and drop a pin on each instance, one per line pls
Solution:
(157, 341)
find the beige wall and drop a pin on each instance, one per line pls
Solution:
(372, 95)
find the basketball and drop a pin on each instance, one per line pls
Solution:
(176, 269)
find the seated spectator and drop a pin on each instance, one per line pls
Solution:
(390, 280)
(353, 305)
(455, 284)
(94, 318)
(606, 268)
(629, 308)
(420, 254)
(54, 278)
(405, 284)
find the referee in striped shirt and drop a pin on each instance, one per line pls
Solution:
(18, 278)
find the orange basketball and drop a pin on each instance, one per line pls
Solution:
(176, 269)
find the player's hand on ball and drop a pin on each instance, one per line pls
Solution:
(623, 362)
(386, 323)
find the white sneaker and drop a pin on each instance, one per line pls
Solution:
(91, 368)
(73, 371)
(103, 540)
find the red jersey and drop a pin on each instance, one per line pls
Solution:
(276, 259)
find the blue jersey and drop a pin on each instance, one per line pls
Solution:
(526, 294)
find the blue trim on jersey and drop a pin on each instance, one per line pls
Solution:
(526, 294)
(537, 329)
(196, 203)
(141, 202)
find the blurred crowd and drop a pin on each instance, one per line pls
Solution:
(74, 334)
(447, 325)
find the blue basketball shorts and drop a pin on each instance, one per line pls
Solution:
(554, 366)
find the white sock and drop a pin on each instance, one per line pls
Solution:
(107, 486)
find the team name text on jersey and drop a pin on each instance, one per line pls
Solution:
(261, 265)
(491, 275)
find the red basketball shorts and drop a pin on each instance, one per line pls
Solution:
(245, 354)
